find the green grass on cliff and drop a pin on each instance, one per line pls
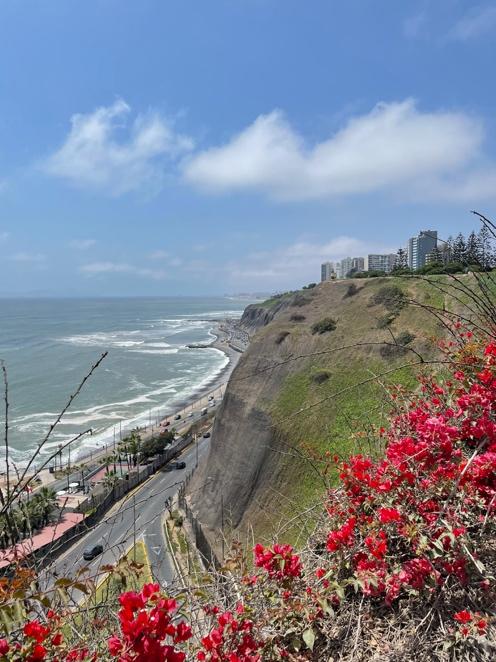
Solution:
(341, 412)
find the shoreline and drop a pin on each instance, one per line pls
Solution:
(184, 405)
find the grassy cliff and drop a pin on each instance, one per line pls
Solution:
(316, 372)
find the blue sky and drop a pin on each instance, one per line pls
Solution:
(188, 147)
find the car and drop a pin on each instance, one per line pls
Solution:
(190, 415)
(91, 552)
(177, 417)
(166, 424)
(210, 397)
(176, 465)
(212, 404)
(204, 411)
(206, 435)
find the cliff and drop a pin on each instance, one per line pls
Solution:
(297, 393)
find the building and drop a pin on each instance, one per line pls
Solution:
(358, 264)
(327, 271)
(346, 263)
(348, 266)
(380, 262)
(419, 247)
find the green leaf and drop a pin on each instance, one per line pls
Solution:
(309, 638)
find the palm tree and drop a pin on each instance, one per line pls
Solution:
(48, 501)
(133, 442)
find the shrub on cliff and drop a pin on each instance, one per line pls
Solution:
(391, 297)
(324, 325)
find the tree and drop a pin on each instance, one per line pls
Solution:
(472, 255)
(401, 261)
(436, 255)
(485, 242)
(459, 249)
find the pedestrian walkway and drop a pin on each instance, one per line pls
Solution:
(39, 540)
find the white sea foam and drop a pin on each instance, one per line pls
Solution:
(172, 350)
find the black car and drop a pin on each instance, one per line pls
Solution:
(206, 435)
(90, 552)
(177, 417)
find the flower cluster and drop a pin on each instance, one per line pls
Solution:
(149, 629)
(404, 522)
(230, 640)
(279, 561)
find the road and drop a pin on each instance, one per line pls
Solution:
(139, 514)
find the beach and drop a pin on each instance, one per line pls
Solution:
(214, 387)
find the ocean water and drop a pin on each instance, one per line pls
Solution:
(48, 345)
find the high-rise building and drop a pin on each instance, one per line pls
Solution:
(358, 264)
(349, 265)
(346, 266)
(420, 246)
(380, 262)
(327, 271)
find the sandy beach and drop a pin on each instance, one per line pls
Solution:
(214, 387)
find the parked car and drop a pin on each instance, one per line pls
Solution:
(190, 415)
(91, 552)
(204, 411)
(210, 397)
(212, 404)
(206, 435)
(177, 417)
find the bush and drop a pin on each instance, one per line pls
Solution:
(405, 338)
(385, 321)
(281, 336)
(321, 376)
(391, 297)
(296, 317)
(300, 300)
(325, 325)
(351, 291)
(310, 286)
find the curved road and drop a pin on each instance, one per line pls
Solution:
(139, 514)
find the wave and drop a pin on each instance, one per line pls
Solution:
(172, 350)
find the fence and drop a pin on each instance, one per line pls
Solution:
(201, 542)
(101, 501)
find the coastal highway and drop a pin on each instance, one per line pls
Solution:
(139, 514)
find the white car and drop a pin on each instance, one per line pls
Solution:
(212, 404)
(190, 414)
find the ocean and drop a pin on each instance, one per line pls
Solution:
(48, 345)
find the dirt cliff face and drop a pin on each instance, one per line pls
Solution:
(292, 397)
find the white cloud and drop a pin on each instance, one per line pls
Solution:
(392, 148)
(99, 268)
(94, 157)
(475, 23)
(28, 257)
(159, 255)
(82, 244)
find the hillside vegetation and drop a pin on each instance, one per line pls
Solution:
(306, 384)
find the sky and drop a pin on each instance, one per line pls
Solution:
(199, 148)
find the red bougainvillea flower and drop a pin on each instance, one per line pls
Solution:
(4, 647)
(36, 631)
(279, 561)
(463, 616)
